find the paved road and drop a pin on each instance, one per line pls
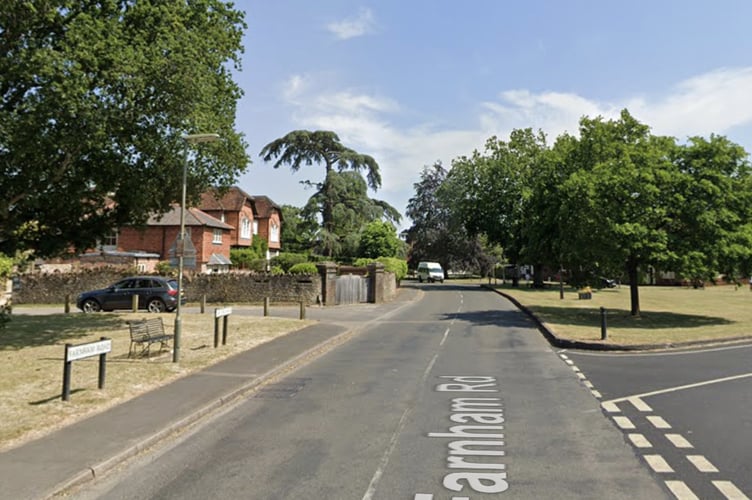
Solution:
(457, 396)
(687, 414)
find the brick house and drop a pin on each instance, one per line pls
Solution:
(251, 217)
(268, 224)
(210, 238)
(221, 222)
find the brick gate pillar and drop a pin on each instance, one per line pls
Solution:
(376, 288)
(328, 272)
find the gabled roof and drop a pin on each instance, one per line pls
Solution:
(193, 217)
(233, 200)
(263, 206)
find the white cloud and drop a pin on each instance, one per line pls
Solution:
(361, 25)
(713, 102)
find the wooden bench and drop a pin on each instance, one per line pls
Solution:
(144, 333)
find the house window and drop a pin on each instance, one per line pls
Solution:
(245, 228)
(217, 237)
(110, 241)
(274, 232)
(255, 227)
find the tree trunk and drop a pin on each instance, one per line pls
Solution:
(634, 291)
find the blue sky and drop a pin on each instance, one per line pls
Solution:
(415, 82)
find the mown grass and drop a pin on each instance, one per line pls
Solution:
(32, 349)
(668, 314)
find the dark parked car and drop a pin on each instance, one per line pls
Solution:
(155, 294)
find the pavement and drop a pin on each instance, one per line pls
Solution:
(58, 462)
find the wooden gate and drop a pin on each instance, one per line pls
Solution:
(351, 289)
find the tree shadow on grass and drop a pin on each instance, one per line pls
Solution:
(623, 318)
(34, 331)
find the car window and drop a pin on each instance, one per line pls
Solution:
(123, 284)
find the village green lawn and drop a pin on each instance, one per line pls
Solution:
(669, 315)
(32, 349)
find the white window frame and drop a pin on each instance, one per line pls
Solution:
(274, 232)
(245, 228)
(255, 226)
(217, 237)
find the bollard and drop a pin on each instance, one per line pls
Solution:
(266, 306)
(67, 303)
(134, 302)
(203, 303)
(302, 309)
(604, 332)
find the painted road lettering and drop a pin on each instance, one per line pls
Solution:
(475, 448)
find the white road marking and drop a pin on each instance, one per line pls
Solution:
(588, 384)
(624, 423)
(569, 362)
(446, 334)
(701, 463)
(597, 394)
(639, 441)
(581, 376)
(658, 464)
(564, 356)
(610, 407)
(729, 490)
(658, 422)
(683, 387)
(640, 404)
(575, 368)
(679, 441)
(680, 490)
(423, 496)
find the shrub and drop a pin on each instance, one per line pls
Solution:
(303, 268)
(286, 260)
(164, 268)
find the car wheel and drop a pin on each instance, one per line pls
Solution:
(420, 279)
(90, 306)
(156, 306)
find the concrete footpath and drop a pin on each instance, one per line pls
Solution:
(78, 453)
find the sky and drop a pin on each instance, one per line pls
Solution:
(413, 82)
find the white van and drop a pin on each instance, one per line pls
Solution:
(430, 271)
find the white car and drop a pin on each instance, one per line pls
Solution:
(430, 271)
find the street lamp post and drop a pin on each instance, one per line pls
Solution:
(180, 244)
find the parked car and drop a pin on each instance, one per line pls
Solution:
(155, 294)
(430, 271)
(607, 282)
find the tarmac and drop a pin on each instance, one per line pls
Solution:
(58, 462)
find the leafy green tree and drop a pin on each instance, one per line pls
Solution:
(352, 210)
(379, 239)
(303, 147)
(94, 99)
(711, 227)
(299, 229)
(619, 202)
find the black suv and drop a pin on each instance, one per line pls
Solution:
(155, 294)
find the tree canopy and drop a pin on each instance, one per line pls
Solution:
(341, 199)
(616, 200)
(438, 233)
(94, 100)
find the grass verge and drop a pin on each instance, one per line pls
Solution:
(668, 314)
(32, 353)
